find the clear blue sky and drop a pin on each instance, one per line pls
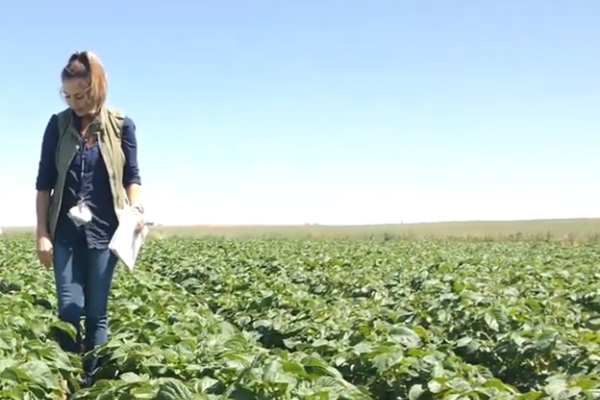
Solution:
(324, 111)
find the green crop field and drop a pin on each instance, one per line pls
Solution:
(319, 319)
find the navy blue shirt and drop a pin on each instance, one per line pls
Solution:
(93, 185)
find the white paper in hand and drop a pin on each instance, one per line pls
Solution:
(126, 242)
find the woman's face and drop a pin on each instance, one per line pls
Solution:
(75, 92)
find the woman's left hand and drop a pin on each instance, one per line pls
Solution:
(141, 220)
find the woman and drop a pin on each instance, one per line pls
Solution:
(88, 171)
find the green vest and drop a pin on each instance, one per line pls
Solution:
(108, 126)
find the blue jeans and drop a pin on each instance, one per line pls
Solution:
(83, 280)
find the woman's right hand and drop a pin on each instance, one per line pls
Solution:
(44, 249)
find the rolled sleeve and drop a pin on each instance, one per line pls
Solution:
(47, 173)
(131, 173)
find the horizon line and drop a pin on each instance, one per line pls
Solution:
(495, 221)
